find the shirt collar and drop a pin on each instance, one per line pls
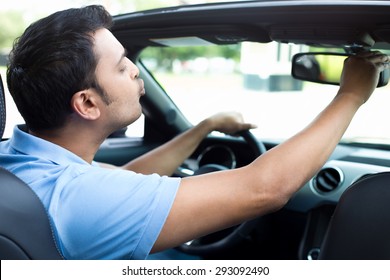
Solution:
(28, 144)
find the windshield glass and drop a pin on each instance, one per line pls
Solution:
(255, 79)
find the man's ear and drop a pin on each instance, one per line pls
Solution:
(85, 104)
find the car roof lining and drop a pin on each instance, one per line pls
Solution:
(321, 23)
(217, 34)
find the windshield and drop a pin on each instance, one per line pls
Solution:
(255, 79)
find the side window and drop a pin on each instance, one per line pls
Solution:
(13, 116)
(136, 129)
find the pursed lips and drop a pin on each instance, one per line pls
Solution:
(142, 88)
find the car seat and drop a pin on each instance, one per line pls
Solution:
(360, 226)
(25, 230)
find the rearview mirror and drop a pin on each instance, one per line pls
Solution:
(324, 68)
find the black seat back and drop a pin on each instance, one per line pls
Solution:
(2, 108)
(360, 226)
(25, 230)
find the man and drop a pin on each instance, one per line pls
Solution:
(74, 86)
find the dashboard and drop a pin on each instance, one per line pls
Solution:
(346, 165)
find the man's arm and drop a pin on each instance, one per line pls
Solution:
(214, 201)
(165, 159)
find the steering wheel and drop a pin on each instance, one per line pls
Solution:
(224, 239)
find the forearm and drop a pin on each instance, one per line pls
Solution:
(165, 159)
(299, 158)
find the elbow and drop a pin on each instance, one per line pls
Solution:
(273, 194)
(274, 202)
(279, 202)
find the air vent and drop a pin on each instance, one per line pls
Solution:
(327, 180)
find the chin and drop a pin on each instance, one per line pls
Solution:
(134, 117)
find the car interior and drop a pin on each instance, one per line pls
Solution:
(25, 230)
(277, 62)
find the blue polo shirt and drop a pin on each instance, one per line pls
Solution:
(97, 213)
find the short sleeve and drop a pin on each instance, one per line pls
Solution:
(110, 214)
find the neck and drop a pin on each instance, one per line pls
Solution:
(82, 141)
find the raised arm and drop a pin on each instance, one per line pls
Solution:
(214, 201)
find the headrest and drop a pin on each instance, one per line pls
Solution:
(2, 108)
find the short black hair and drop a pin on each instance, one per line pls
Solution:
(51, 61)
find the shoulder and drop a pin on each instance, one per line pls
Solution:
(125, 207)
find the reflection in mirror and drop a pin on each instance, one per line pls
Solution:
(325, 68)
(318, 67)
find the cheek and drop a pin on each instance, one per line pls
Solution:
(129, 98)
(132, 90)
(121, 88)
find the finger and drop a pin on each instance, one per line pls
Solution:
(240, 127)
(379, 58)
(368, 54)
(383, 65)
(382, 61)
(246, 126)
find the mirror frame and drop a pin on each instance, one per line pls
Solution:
(383, 78)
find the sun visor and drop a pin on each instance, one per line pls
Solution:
(322, 36)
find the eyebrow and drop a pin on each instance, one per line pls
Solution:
(124, 54)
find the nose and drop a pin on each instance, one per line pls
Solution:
(134, 71)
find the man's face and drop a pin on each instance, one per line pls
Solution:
(118, 77)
